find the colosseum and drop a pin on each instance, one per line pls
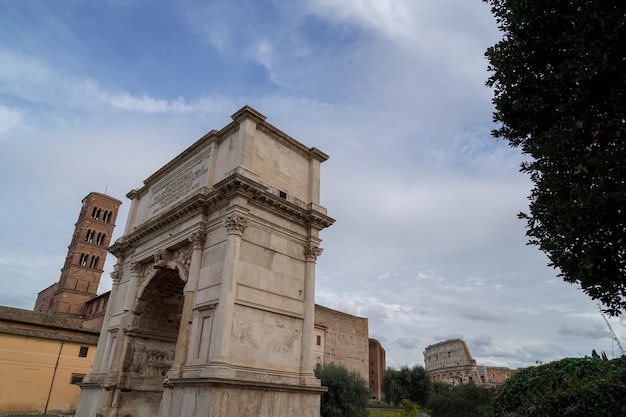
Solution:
(451, 361)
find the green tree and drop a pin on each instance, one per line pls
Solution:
(559, 82)
(571, 387)
(347, 393)
(467, 400)
(407, 383)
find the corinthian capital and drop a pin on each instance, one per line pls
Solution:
(136, 268)
(312, 251)
(235, 224)
(116, 274)
(197, 239)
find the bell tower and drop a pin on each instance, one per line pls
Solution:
(84, 263)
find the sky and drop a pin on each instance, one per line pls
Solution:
(97, 96)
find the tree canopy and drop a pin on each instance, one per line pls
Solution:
(407, 384)
(559, 82)
(347, 393)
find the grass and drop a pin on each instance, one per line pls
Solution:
(381, 412)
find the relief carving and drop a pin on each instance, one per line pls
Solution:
(151, 358)
(182, 259)
(161, 258)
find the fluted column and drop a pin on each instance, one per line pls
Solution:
(136, 270)
(116, 277)
(311, 252)
(182, 343)
(235, 225)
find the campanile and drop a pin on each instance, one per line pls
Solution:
(84, 263)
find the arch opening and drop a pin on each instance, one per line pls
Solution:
(152, 343)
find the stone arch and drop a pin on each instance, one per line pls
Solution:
(152, 342)
(160, 303)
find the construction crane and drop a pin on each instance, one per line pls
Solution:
(613, 335)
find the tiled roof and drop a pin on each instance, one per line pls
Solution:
(76, 337)
(45, 319)
(24, 322)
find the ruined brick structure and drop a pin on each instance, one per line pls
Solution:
(345, 340)
(451, 361)
(84, 263)
(377, 368)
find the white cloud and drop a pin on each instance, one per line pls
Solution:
(393, 18)
(595, 332)
(487, 314)
(10, 117)
(407, 342)
(27, 78)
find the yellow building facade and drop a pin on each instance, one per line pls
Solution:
(42, 359)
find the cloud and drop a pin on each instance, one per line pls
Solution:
(374, 312)
(407, 342)
(30, 80)
(389, 17)
(482, 341)
(594, 332)
(481, 313)
(10, 117)
(439, 337)
(545, 352)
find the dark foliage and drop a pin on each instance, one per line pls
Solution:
(572, 387)
(467, 400)
(407, 383)
(559, 81)
(347, 393)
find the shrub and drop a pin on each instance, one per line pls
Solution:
(407, 383)
(467, 400)
(347, 393)
(571, 387)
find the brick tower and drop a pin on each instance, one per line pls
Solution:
(86, 254)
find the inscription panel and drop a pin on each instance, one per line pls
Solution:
(180, 183)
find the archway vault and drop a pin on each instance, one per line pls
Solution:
(152, 338)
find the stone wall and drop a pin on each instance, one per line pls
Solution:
(346, 339)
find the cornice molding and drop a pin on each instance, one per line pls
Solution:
(205, 199)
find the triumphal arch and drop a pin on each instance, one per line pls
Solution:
(211, 312)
